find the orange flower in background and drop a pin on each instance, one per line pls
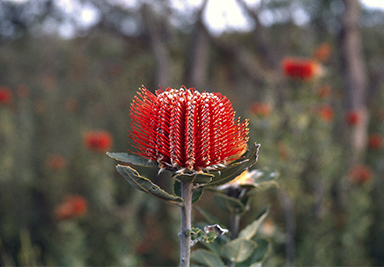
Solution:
(375, 141)
(352, 117)
(360, 174)
(326, 113)
(304, 69)
(98, 140)
(322, 52)
(56, 162)
(245, 178)
(185, 130)
(324, 91)
(23, 91)
(6, 95)
(262, 109)
(71, 207)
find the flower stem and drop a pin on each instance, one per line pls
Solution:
(186, 213)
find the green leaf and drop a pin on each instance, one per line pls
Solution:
(197, 178)
(209, 217)
(259, 253)
(133, 159)
(238, 250)
(229, 204)
(249, 231)
(196, 194)
(233, 170)
(207, 258)
(216, 245)
(144, 184)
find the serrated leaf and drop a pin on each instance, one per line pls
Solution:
(232, 171)
(144, 184)
(250, 231)
(238, 250)
(196, 194)
(197, 178)
(229, 204)
(133, 159)
(207, 258)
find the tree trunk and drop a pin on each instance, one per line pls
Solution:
(355, 80)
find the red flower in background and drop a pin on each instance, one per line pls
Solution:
(262, 109)
(98, 140)
(375, 141)
(322, 52)
(304, 69)
(326, 113)
(6, 95)
(324, 91)
(359, 174)
(352, 117)
(186, 130)
(56, 161)
(71, 207)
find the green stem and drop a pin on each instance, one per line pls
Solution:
(234, 228)
(186, 225)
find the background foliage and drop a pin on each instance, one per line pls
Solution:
(64, 89)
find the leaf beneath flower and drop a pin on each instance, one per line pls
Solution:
(233, 170)
(132, 159)
(144, 184)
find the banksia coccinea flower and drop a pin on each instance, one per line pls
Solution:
(71, 207)
(185, 130)
(98, 140)
(6, 95)
(303, 69)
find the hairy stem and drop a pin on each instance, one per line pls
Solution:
(186, 211)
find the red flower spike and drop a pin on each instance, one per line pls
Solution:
(98, 140)
(71, 207)
(185, 130)
(375, 141)
(360, 174)
(353, 117)
(6, 95)
(304, 69)
(326, 113)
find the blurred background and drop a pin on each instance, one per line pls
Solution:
(307, 73)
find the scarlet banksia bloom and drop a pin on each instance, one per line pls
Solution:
(98, 140)
(326, 113)
(353, 117)
(71, 207)
(56, 161)
(360, 173)
(6, 95)
(185, 130)
(304, 69)
(375, 141)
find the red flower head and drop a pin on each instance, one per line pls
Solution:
(375, 141)
(324, 91)
(262, 109)
(56, 161)
(352, 117)
(326, 112)
(71, 207)
(98, 140)
(6, 95)
(322, 52)
(304, 69)
(185, 130)
(359, 174)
